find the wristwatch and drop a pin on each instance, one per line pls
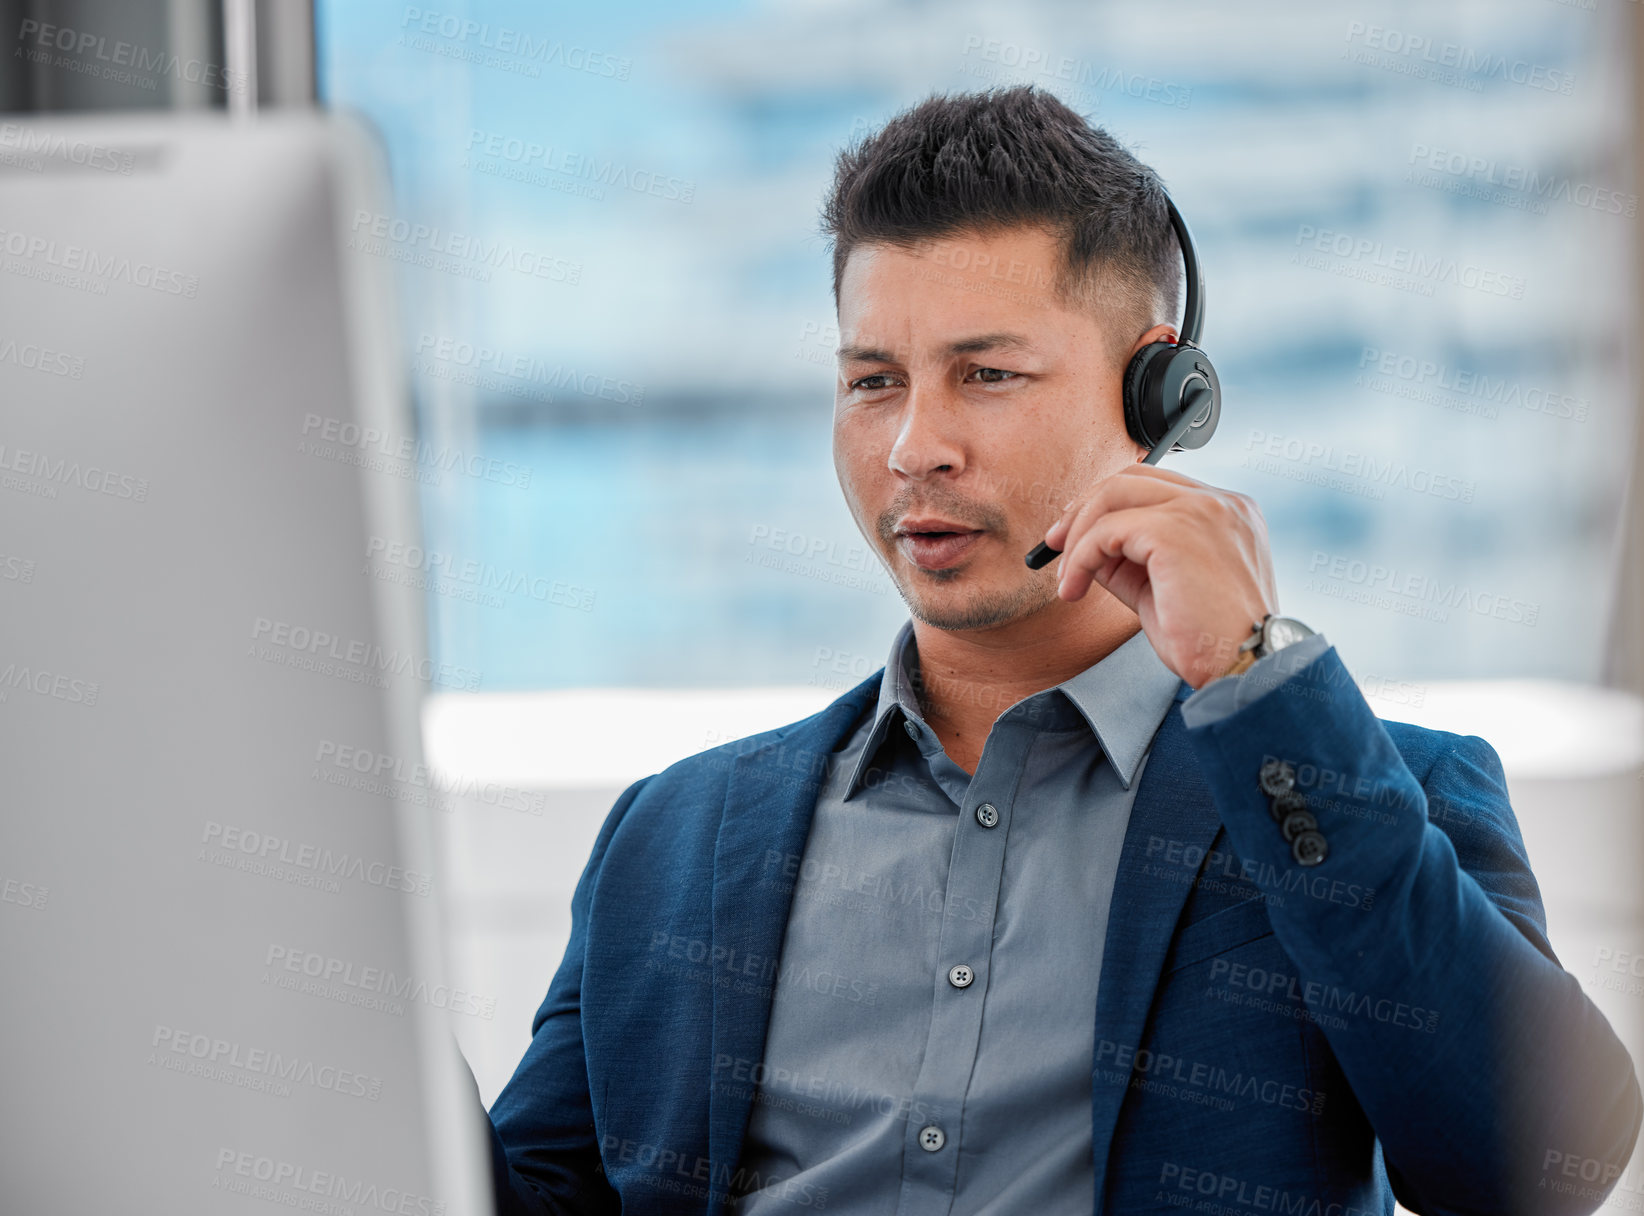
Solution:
(1267, 635)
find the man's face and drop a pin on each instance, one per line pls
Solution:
(970, 402)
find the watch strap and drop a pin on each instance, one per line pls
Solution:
(1247, 650)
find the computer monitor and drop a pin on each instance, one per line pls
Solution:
(219, 903)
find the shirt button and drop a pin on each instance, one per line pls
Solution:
(1277, 777)
(960, 975)
(987, 815)
(1309, 849)
(913, 731)
(932, 1138)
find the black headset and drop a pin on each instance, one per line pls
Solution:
(1173, 399)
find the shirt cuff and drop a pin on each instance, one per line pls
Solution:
(1229, 694)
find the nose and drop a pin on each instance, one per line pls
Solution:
(928, 440)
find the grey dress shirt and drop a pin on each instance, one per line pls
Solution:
(931, 1037)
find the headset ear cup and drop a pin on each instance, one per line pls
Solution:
(1144, 430)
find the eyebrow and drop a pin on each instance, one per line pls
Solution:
(964, 346)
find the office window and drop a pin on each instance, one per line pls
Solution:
(1412, 223)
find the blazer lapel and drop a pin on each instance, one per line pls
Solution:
(770, 800)
(1172, 809)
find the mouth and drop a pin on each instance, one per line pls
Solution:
(937, 547)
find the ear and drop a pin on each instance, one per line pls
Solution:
(1159, 333)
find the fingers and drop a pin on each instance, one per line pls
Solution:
(1118, 492)
(1125, 580)
(1122, 578)
(1117, 538)
(1135, 486)
(1159, 474)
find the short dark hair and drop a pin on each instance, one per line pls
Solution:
(1002, 158)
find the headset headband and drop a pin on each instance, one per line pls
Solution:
(1193, 312)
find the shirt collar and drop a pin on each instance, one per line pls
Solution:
(1123, 697)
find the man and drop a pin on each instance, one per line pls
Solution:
(1070, 908)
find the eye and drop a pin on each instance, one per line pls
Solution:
(994, 375)
(865, 383)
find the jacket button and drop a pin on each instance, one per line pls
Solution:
(932, 1138)
(1309, 849)
(987, 815)
(1286, 804)
(1296, 823)
(1277, 777)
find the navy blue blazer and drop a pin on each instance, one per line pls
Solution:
(1270, 1036)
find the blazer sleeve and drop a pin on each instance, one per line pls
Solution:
(1511, 1092)
(544, 1152)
